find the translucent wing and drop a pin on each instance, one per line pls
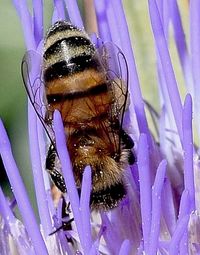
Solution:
(115, 65)
(31, 69)
(32, 77)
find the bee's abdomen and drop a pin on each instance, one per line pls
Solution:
(108, 198)
(61, 97)
(66, 68)
(73, 41)
(68, 50)
(75, 82)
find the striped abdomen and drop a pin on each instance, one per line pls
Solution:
(74, 81)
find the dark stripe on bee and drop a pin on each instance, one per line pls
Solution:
(98, 89)
(73, 41)
(108, 197)
(76, 124)
(61, 26)
(75, 65)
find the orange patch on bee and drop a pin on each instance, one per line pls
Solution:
(77, 82)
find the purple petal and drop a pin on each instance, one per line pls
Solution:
(112, 238)
(74, 13)
(184, 204)
(188, 150)
(38, 20)
(180, 40)
(85, 209)
(41, 195)
(59, 11)
(67, 172)
(104, 30)
(177, 235)
(125, 248)
(195, 53)
(194, 233)
(27, 25)
(156, 207)
(20, 193)
(5, 210)
(145, 188)
(161, 46)
(168, 209)
(127, 49)
(163, 8)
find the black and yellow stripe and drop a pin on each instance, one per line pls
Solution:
(72, 66)
(60, 26)
(60, 97)
(73, 42)
(67, 50)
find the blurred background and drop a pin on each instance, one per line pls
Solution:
(13, 103)
(12, 96)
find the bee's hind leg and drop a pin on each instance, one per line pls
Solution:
(51, 167)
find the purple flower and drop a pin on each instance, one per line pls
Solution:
(160, 214)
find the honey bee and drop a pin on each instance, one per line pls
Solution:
(89, 86)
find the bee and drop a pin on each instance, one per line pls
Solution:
(89, 86)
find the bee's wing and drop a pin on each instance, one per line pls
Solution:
(31, 69)
(116, 67)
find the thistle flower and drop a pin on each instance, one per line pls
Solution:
(160, 214)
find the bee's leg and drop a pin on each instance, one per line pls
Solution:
(51, 167)
(66, 224)
(128, 144)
